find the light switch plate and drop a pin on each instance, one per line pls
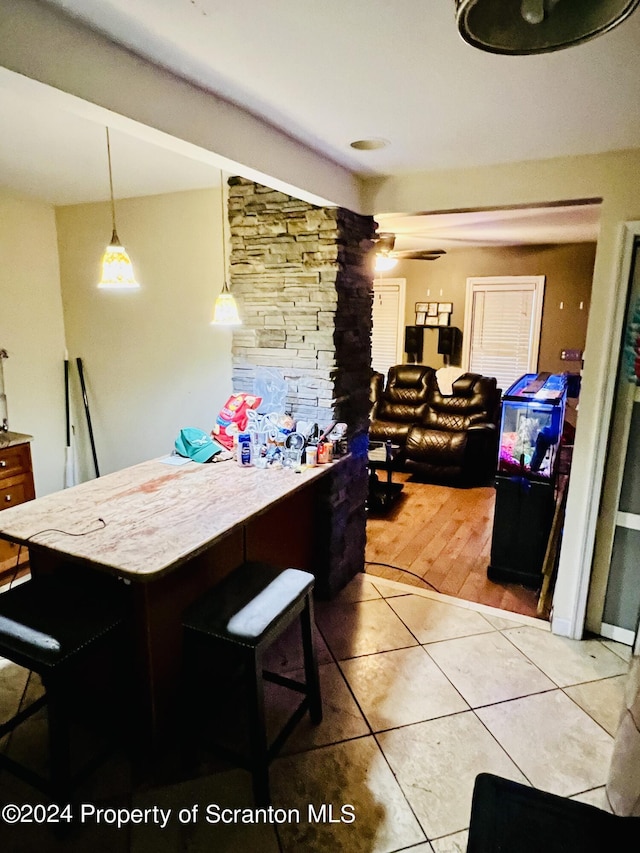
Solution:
(571, 355)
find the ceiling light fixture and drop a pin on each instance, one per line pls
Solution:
(225, 310)
(369, 144)
(385, 262)
(537, 26)
(117, 269)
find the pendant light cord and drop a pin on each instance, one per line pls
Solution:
(113, 204)
(225, 285)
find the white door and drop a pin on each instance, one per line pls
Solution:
(502, 321)
(387, 333)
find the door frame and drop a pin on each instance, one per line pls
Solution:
(576, 568)
(498, 282)
(611, 465)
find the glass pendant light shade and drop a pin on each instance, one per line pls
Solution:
(225, 309)
(117, 269)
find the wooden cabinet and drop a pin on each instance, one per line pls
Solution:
(16, 487)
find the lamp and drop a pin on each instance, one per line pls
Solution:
(225, 310)
(537, 26)
(117, 269)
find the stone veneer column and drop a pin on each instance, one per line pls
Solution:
(302, 278)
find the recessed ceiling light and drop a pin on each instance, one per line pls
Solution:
(369, 144)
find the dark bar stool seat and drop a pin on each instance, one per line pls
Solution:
(50, 625)
(508, 817)
(242, 616)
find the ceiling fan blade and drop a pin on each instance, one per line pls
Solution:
(385, 241)
(424, 255)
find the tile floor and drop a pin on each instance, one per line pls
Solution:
(420, 693)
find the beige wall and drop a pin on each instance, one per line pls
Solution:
(568, 270)
(152, 361)
(32, 332)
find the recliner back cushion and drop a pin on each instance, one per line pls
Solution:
(407, 394)
(376, 386)
(473, 401)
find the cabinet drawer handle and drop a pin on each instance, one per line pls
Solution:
(7, 498)
(3, 463)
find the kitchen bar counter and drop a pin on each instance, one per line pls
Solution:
(156, 516)
(172, 532)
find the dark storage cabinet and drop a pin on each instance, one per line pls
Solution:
(521, 525)
(530, 432)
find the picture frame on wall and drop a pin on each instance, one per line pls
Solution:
(431, 321)
(432, 309)
(420, 317)
(444, 318)
(445, 308)
(421, 307)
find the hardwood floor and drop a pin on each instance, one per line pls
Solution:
(443, 535)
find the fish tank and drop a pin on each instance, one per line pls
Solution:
(531, 425)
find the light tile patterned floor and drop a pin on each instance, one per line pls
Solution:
(421, 693)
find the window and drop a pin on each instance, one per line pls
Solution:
(387, 342)
(503, 316)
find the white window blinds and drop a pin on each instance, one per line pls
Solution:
(503, 341)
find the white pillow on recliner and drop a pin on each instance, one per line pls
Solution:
(445, 377)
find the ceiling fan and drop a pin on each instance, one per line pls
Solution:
(387, 257)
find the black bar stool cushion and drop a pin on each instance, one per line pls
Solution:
(243, 607)
(47, 621)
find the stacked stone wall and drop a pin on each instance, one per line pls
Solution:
(302, 277)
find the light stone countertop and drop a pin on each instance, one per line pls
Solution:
(9, 439)
(156, 516)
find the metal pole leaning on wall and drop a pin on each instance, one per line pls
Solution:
(85, 401)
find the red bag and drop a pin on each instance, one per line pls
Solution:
(232, 419)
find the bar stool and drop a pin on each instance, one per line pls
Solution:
(241, 617)
(50, 625)
(509, 817)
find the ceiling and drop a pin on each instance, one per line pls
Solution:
(55, 154)
(520, 226)
(332, 72)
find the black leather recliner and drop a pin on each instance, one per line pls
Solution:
(458, 435)
(402, 404)
(452, 437)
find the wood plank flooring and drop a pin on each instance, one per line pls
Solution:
(443, 535)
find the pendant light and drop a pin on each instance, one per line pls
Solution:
(117, 269)
(225, 310)
(537, 26)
